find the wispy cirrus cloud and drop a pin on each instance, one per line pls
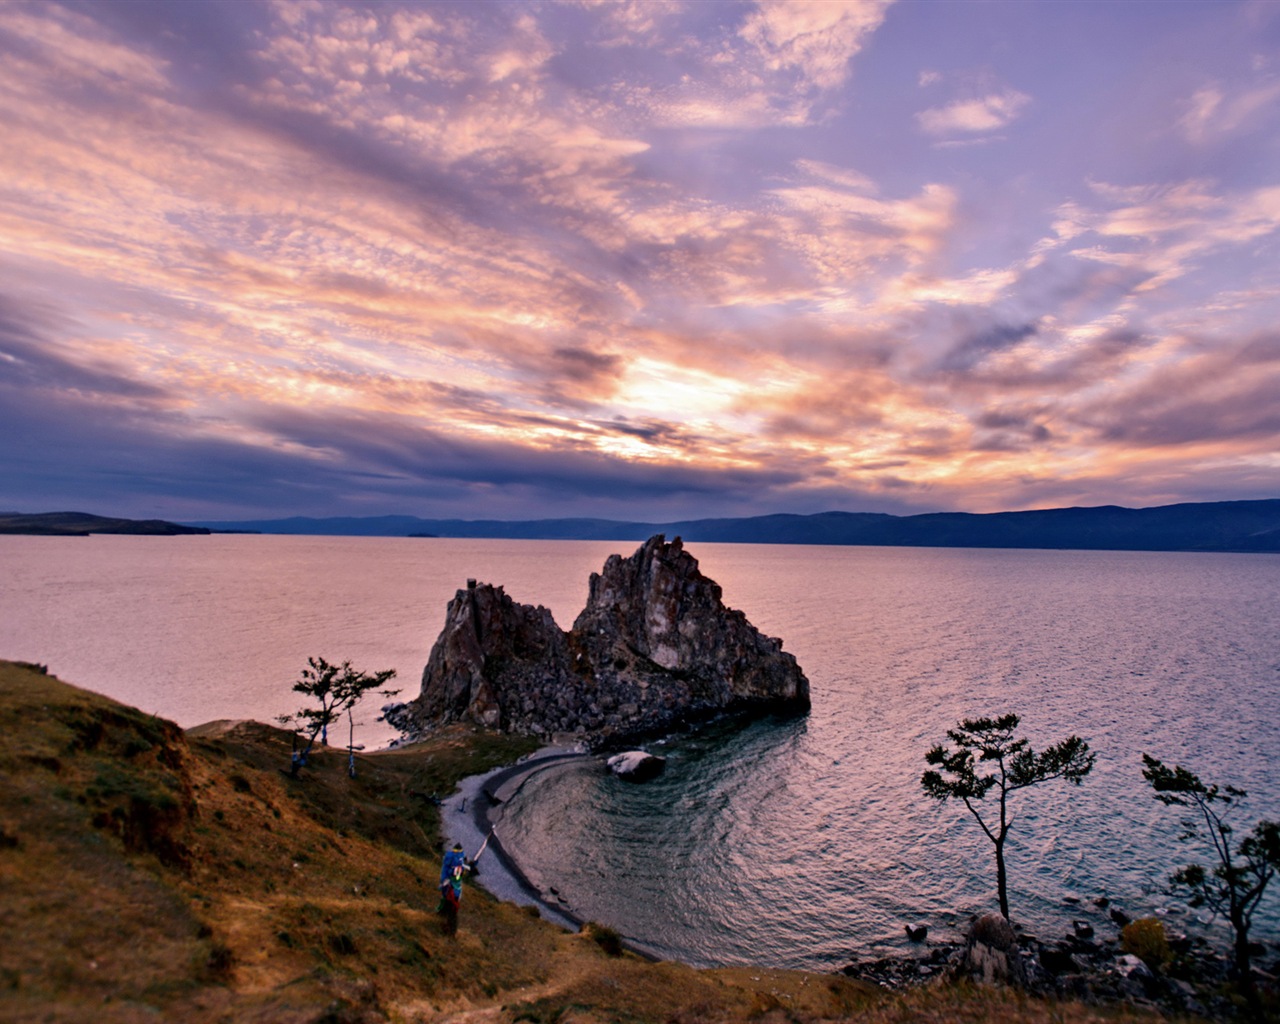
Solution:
(1165, 233)
(1214, 111)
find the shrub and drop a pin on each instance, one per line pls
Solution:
(342, 943)
(604, 937)
(1145, 939)
(221, 961)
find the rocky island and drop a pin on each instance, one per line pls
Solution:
(654, 648)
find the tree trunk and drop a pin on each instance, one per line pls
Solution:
(1243, 974)
(1002, 888)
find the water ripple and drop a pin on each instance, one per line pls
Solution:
(802, 843)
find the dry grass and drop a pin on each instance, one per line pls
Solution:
(147, 874)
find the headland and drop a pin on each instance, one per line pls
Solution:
(152, 873)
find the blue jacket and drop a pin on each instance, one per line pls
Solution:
(452, 859)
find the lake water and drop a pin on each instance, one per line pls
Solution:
(794, 843)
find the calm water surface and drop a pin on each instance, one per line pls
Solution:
(796, 843)
(201, 628)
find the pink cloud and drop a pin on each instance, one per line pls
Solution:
(978, 116)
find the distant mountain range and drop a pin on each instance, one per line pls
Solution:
(1249, 526)
(1252, 526)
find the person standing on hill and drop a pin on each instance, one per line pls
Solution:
(452, 871)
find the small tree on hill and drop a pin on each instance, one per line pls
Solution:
(1236, 883)
(1014, 766)
(337, 688)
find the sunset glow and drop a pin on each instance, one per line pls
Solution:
(642, 260)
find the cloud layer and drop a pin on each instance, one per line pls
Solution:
(634, 259)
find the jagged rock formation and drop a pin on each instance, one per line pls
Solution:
(657, 633)
(496, 663)
(654, 647)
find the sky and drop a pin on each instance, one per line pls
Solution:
(637, 260)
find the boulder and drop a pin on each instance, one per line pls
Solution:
(991, 952)
(1130, 966)
(654, 648)
(637, 765)
(1136, 979)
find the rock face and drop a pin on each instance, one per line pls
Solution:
(658, 636)
(654, 647)
(495, 663)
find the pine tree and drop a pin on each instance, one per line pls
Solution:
(1238, 880)
(1015, 766)
(337, 688)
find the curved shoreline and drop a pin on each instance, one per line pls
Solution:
(466, 817)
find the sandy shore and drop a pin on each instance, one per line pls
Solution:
(468, 815)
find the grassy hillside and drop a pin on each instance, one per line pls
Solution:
(150, 874)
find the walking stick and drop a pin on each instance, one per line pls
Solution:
(484, 846)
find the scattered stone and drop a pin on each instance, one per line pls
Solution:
(637, 765)
(1083, 929)
(1069, 968)
(905, 972)
(1061, 960)
(917, 932)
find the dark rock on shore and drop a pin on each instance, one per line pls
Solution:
(654, 648)
(991, 953)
